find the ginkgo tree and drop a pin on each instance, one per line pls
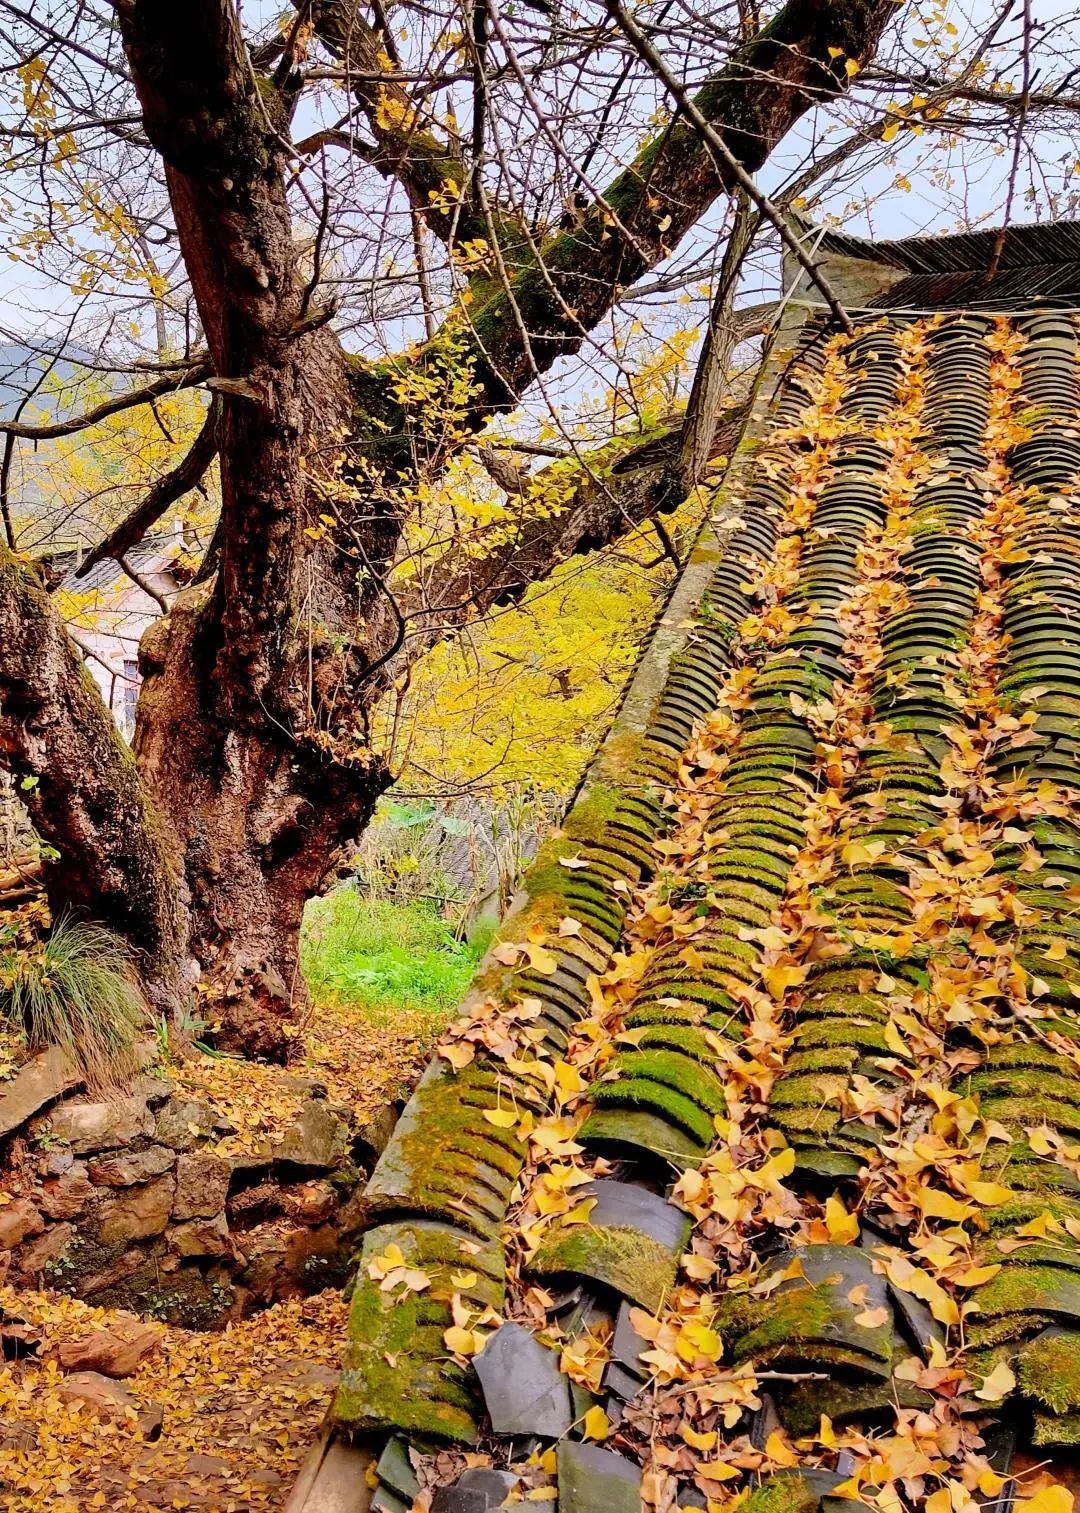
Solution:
(212, 198)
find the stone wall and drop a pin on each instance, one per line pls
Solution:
(129, 1202)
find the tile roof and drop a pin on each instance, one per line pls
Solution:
(825, 955)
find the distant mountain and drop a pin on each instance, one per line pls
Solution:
(20, 367)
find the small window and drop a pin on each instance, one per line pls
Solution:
(131, 691)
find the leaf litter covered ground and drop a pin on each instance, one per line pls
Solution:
(240, 1407)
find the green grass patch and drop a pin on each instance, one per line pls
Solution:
(383, 956)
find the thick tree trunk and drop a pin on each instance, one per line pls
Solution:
(257, 815)
(78, 779)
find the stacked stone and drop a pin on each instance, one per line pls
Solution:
(130, 1203)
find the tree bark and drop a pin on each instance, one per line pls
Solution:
(78, 780)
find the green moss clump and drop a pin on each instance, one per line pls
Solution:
(632, 1263)
(760, 1328)
(396, 1375)
(677, 1071)
(824, 1032)
(671, 1013)
(1063, 1430)
(676, 1037)
(640, 1092)
(811, 1090)
(1016, 1326)
(1049, 1370)
(782, 1494)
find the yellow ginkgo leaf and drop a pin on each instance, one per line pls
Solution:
(1052, 1499)
(461, 1341)
(719, 1470)
(997, 1384)
(843, 1227)
(541, 959)
(595, 1424)
(458, 1053)
(938, 1205)
(990, 1193)
(779, 1451)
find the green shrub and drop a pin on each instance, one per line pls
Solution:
(76, 989)
(383, 956)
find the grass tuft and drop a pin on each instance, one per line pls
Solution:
(76, 989)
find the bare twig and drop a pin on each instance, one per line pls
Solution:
(726, 161)
(187, 378)
(145, 584)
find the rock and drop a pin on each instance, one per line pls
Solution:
(264, 1273)
(373, 1137)
(202, 1185)
(524, 1390)
(101, 1126)
(312, 1203)
(592, 1480)
(251, 1204)
(32, 1258)
(312, 1254)
(117, 1351)
(57, 1162)
(202, 1237)
(119, 1269)
(66, 1195)
(249, 1166)
(308, 1087)
(124, 1170)
(151, 1420)
(183, 1122)
(18, 1339)
(18, 1221)
(154, 1089)
(34, 1085)
(318, 1139)
(475, 1491)
(135, 1213)
(100, 1396)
